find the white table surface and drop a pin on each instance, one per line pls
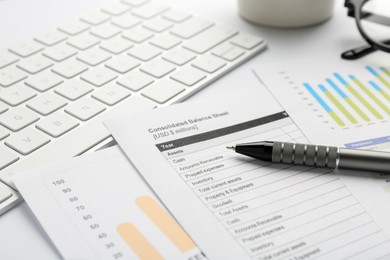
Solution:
(21, 237)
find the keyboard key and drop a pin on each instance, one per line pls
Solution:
(145, 52)
(177, 16)
(11, 75)
(137, 35)
(115, 9)
(209, 38)
(60, 52)
(99, 76)
(7, 58)
(179, 56)
(74, 27)
(44, 81)
(150, 10)
(105, 31)
(3, 107)
(135, 2)
(135, 80)
(94, 57)
(111, 94)
(116, 45)
(126, 21)
(73, 89)
(83, 41)
(209, 63)
(70, 68)
(35, 64)
(18, 118)
(85, 109)
(188, 76)
(122, 64)
(163, 90)
(158, 68)
(233, 54)
(246, 41)
(3, 133)
(57, 124)
(165, 41)
(6, 158)
(27, 141)
(51, 38)
(158, 25)
(191, 27)
(27, 48)
(17, 94)
(46, 104)
(95, 18)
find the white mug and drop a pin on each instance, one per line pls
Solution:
(286, 13)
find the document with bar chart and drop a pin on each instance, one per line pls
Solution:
(340, 102)
(98, 207)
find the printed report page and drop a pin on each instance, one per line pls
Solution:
(235, 207)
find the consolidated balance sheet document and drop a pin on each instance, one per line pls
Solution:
(235, 207)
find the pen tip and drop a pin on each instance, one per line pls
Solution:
(231, 147)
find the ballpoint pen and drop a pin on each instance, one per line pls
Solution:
(316, 155)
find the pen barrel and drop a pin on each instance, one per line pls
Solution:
(305, 154)
(364, 160)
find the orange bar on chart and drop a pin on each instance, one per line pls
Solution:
(138, 242)
(165, 223)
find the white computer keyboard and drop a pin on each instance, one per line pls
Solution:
(58, 88)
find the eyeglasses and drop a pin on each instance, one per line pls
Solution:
(373, 22)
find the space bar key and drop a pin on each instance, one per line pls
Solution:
(210, 38)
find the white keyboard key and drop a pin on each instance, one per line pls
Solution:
(5, 193)
(57, 124)
(115, 9)
(179, 56)
(27, 141)
(46, 104)
(74, 27)
(7, 58)
(209, 38)
(17, 94)
(122, 64)
(51, 38)
(246, 41)
(93, 57)
(83, 41)
(3, 107)
(191, 27)
(95, 18)
(73, 89)
(35, 64)
(44, 81)
(150, 10)
(11, 75)
(99, 76)
(158, 25)
(70, 68)
(209, 63)
(135, 80)
(135, 2)
(85, 109)
(177, 16)
(105, 31)
(126, 21)
(163, 90)
(233, 54)
(145, 52)
(158, 68)
(27, 48)
(188, 76)
(3, 133)
(18, 118)
(165, 41)
(137, 35)
(60, 52)
(111, 94)
(116, 45)
(6, 158)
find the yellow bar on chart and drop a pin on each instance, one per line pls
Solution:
(165, 223)
(138, 242)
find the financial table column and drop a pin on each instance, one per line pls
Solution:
(277, 211)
